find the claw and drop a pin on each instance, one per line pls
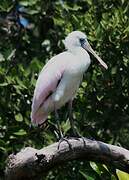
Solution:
(78, 139)
(66, 140)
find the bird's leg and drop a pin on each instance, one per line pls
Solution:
(75, 133)
(71, 120)
(58, 123)
(62, 138)
(70, 103)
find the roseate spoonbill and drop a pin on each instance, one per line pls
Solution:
(60, 78)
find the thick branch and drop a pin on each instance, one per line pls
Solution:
(31, 163)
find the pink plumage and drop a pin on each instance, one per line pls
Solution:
(45, 86)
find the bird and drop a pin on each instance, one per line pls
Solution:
(60, 78)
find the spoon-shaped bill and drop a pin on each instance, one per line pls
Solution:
(87, 47)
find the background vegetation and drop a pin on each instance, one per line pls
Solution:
(101, 107)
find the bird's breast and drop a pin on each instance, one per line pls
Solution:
(67, 88)
(71, 79)
(78, 66)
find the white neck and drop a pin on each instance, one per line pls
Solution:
(81, 55)
(77, 50)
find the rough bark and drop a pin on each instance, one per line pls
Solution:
(32, 164)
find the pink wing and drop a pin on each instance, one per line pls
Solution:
(46, 84)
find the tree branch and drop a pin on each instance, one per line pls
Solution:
(31, 163)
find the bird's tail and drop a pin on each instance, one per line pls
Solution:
(38, 118)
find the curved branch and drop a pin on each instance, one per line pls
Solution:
(31, 163)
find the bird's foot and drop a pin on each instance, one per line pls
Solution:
(66, 140)
(76, 135)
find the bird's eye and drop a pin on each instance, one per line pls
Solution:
(82, 40)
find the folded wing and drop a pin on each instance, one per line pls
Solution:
(46, 84)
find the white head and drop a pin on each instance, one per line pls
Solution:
(73, 39)
(79, 39)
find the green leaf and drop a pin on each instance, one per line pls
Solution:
(114, 70)
(2, 143)
(28, 3)
(65, 126)
(21, 132)
(6, 5)
(2, 57)
(33, 11)
(87, 177)
(84, 84)
(2, 149)
(11, 55)
(3, 84)
(95, 167)
(21, 83)
(122, 175)
(19, 117)
(100, 97)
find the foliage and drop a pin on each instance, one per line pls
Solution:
(122, 175)
(101, 106)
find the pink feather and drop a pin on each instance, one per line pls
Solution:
(46, 84)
